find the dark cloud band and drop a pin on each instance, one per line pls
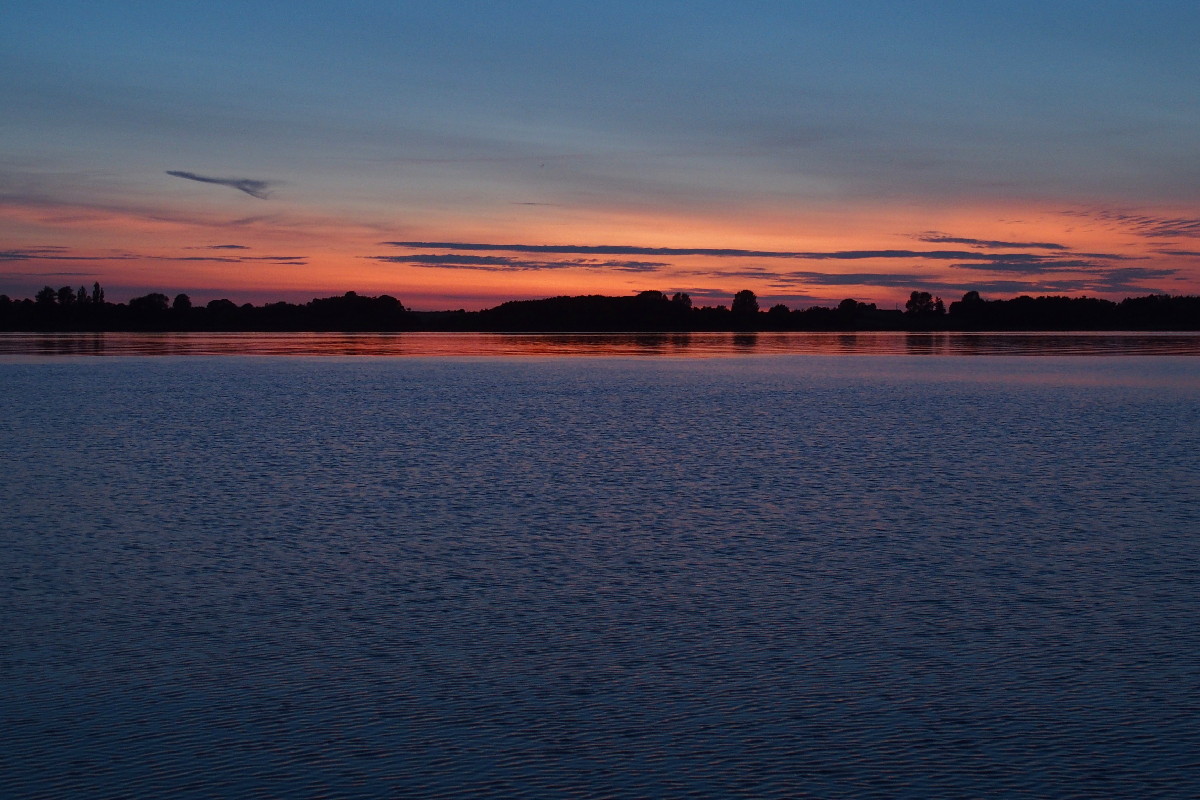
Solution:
(53, 254)
(990, 243)
(628, 250)
(506, 264)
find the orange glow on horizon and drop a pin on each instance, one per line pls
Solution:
(293, 253)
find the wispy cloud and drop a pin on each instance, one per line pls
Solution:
(47, 274)
(1038, 272)
(1145, 225)
(887, 279)
(991, 244)
(53, 253)
(1029, 266)
(56, 253)
(506, 264)
(611, 250)
(251, 186)
(298, 261)
(1025, 279)
(33, 253)
(632, 250)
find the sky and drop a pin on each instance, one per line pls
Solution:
(458, 155)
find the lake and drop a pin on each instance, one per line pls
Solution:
(532, 345)
(875, 566)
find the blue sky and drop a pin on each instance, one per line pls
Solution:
(795, 127)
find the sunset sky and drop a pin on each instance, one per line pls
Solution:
(459, 154)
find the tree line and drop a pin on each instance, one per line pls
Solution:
(68, 309)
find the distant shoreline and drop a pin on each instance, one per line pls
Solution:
(67, 310)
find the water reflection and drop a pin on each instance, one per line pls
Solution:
(745, 341)
(696, 345)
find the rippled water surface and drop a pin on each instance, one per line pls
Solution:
(685, 345)
(758, 576)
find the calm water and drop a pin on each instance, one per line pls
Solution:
(760, 576)
(698, 345)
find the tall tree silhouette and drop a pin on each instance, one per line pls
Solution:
(745, 304)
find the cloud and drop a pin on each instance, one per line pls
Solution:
(297, 261)
(48, 274)
(1123, 275)
(1182, 253)
(506, 264)
(1128, 280)
(252, 187)
(37, 253)
(937, 238)
(1145, 225)
(64, 254)
(1029, 267)
(623, 250)
(630, 250)
(52, 254)
(890, 280)
(1034, 272)
(221, 247)
(935, 255)
(788, 279)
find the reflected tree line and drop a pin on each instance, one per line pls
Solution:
(83, 309)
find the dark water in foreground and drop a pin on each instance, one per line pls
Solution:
(817, 576)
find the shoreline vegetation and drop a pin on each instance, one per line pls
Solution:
(67, 309)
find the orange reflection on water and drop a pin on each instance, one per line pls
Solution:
(678, 345)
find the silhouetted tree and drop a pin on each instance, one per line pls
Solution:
(778, 317)
(971, 312)
(919, 304)
(46, 297)
(745, 304)
(923, 304)
(682, 299)
(149, 312)
(972, 300)
(152, 303)
(221, 315)
(97, 293)
(66, 296)
(181, 303)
